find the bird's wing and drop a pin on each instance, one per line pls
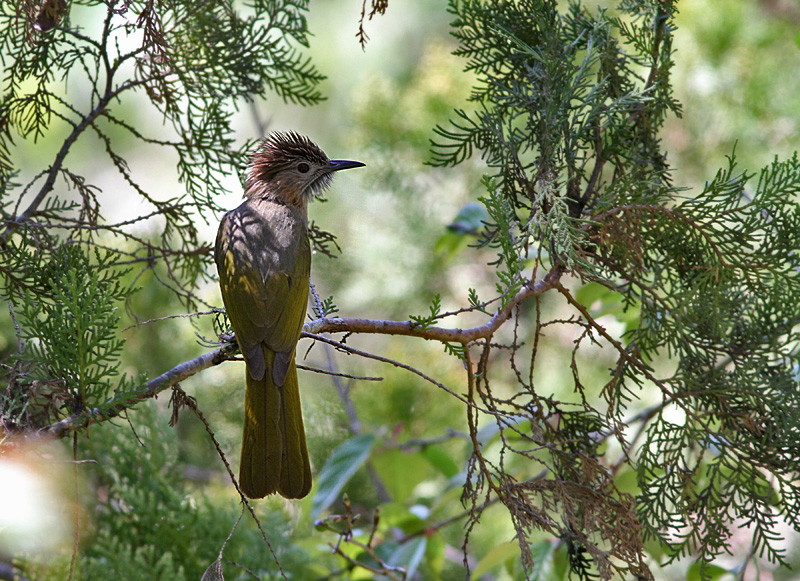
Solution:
(264, 285)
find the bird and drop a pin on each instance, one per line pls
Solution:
(263, 258)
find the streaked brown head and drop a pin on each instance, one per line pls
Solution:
(291, 168)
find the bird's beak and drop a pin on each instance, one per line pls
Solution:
(338, 164)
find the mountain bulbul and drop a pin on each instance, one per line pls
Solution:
(264, 259)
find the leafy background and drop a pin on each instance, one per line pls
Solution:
(736, 76)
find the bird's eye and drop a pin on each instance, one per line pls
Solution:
(303, 167)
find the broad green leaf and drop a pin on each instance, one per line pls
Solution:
(401, 472)
(434, 554)
(408, 555)
(441, 460)
(655, 549)
(451, 244)
(398, 515)
(601, 300)
(343, 462)
(541, 555)
(590, 292)
(698, 572)
(496, 557)
(560, 562)
(442, 506)
(626, 481)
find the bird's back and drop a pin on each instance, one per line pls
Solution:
(264, 260)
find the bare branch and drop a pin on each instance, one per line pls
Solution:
(445, 335)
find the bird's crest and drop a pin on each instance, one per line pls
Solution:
(289, 168)
(279, 151)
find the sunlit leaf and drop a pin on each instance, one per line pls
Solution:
(496, 557)
(441, 460)
(407, 555)
(343, 462)
(401, 472)
(699, 571)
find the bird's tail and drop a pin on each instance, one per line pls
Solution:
(274, 452)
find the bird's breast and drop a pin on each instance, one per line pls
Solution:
(267, 237)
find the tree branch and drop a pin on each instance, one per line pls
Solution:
(312, 329)
(86, 418)
(443, 334)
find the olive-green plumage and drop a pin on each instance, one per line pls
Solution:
(264, 259)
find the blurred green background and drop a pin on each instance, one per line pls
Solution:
(737, 75)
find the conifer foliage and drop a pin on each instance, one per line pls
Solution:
(194, 65)
(690, 434)
(567, 113)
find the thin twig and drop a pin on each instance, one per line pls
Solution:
(191, 403)
(338, 374)
(368, 355)
(181, 316)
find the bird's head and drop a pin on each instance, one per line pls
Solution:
(291, 168)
